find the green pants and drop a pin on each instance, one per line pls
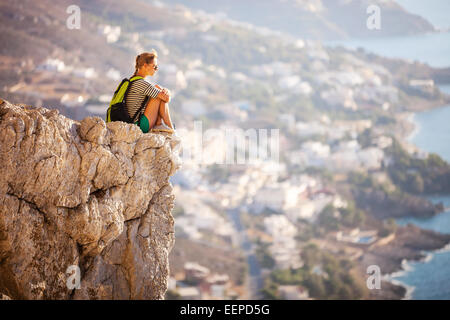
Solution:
(143, 123)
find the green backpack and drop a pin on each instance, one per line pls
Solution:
(117, 110)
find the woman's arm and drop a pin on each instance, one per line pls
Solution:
(166, 93)
(163, 96)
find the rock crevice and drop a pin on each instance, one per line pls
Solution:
(86, 194)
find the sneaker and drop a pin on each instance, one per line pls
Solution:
(162, 128)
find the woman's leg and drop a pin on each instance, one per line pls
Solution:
(165, 114)
(156, 111)
(152, 111)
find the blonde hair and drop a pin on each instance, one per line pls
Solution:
(146, 57)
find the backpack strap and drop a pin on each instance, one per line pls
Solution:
(129, 86)
(120, 85)
(144, 103)
(135, 78)
(138, 111)
(132, 79)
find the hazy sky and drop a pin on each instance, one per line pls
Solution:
(436, 12)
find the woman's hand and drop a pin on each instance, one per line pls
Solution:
(164, 96)
(167, 91)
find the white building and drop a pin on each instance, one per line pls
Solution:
(340, 97)
(111, 33)
(200, 217)
(284, 246)
(72, 100)
(54, 65)
(88, 73)
(348, 78)
(174, 78)
(382, 142)
(288, 82)
(279, 226)
(239, 76)
(305, 210)
(371, 158)
(282, 69)
(278, 197)
(288, 119)
(195, 74)
(113, 74)
(306, 129)
(315, 153)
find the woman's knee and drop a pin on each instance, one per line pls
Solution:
(153, 102)
(152, 106)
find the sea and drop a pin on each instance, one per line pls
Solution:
(430, 278)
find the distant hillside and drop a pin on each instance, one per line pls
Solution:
(206, 50)
(318, 19)
(33, 31)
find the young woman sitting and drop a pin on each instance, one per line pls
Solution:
(155, 115)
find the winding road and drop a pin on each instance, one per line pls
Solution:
(255, 281)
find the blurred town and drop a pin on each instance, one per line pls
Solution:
(303, 227)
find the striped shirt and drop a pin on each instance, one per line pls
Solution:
(139, 90)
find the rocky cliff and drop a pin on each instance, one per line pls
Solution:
(83, 201)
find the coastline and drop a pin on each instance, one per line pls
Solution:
(411, 118)
(410, 128)
(411, 245)
(397, 44)
(407, 266)
(413, 123)
(444, 249)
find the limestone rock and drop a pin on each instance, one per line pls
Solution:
(83, 199)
